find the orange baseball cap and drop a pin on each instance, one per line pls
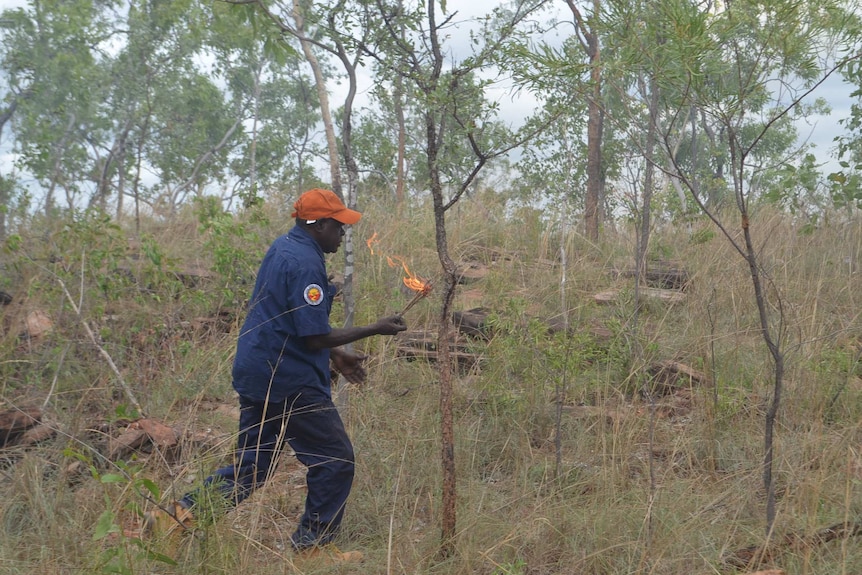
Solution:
(317, 204)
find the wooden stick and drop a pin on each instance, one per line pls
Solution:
(126, 388)
(419, 295)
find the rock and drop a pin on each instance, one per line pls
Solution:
(159, 433)
(37, 324)
(130, 440)
(471, 272)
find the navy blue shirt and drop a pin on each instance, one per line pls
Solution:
(292, 299)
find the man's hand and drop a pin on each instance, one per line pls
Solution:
(390, 325)
(348, 364)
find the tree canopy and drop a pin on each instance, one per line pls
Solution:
(148, 104)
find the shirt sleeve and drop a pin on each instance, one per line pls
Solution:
(309, 300)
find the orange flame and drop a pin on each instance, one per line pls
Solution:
(412, 281)
(372, 240)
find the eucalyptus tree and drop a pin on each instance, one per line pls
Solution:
(449, 91)
(198, 86)
(346, 31)
(323, 31)
(390, 138)
(743, 70)
(10, 98)
(193, 122)
(381, 140)
(646, 44)
(174, 123)
(281, 147)
(109, 92)
(193, 130)
(586, 26)
(575, 71)
(54, 78)
(554, 161)
(846, 184)
(154, 45)
(576, 81)
(264, 76)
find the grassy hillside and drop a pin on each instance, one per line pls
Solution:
(574, 454)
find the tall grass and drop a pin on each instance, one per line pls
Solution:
(601, 491)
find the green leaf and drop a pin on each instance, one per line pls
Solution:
(160, 557)
(112, 478)
(105, 525)
(13, 243)
(151, 487)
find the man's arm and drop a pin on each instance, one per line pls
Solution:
(344, 335)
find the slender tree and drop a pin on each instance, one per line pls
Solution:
(733, 63)
(454, 113)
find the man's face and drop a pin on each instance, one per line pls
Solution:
(329, 234)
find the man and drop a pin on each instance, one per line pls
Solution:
(282, 375)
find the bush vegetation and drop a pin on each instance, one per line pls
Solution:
(565, 464)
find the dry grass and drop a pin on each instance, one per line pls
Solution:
(614, 487)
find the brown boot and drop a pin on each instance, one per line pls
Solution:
(327, 555)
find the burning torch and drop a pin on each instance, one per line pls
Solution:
(412, 281)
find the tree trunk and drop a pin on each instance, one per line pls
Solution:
(252, 197)
(5, 185)
(444, 365)
(400, 160)
(57, 151)
(121, 180)
(323, 96)
(650, 92)
(772, 344)
(594, 146)
(447, 439)
(136, 182)
(595, 118)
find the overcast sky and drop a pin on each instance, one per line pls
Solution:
(819, 130)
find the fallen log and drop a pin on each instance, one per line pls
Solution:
(427, 340)
(669, 376)
(14, 422)
(472, 322)
(464, 359)
(755, 555)
(662, 275)
(36, 434)
(423, 345)
(669, 296)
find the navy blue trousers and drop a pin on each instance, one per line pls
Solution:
(310, 424)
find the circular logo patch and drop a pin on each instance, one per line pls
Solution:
(313, 294)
